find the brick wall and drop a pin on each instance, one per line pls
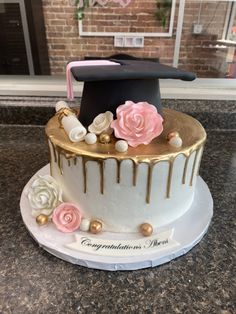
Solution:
(64, 42)
(138, 16)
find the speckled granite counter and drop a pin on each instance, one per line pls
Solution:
(33, 281)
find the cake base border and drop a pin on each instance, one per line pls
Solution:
(188, 231)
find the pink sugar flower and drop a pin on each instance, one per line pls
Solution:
(137, 123)
(67, 217)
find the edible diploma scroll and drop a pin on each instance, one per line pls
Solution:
(72, 126)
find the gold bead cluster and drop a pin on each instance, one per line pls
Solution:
(96, 225)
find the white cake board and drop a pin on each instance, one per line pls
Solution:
(187, 231)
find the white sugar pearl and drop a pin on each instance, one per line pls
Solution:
(121, 146)
(176, 141)
(90, 138)
(61, 104)
(84, 225)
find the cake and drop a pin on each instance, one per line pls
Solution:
(120, 165)
(151, 184)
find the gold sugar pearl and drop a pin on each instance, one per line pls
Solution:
(95, 226)
(104, 138)
(42, 219)
(172, 134)
(146, 229)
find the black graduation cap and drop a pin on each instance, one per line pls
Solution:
(107, 87)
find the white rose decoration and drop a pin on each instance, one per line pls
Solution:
(44, 195)
(101, 124)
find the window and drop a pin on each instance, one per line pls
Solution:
(40, 37)
(229, 33)
(202, 49)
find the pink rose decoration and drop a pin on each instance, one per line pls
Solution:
(137, 123)
(67, 217)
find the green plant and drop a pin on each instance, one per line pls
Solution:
(79, 12)
(163, 11)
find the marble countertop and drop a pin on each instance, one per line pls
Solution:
(33, 281)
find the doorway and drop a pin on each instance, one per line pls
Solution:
(22, 37)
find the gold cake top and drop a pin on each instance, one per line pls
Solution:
(190, 130)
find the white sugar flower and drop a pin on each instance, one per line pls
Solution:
(101, 124)
(44, 195)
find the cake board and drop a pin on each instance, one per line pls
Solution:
(131, 250)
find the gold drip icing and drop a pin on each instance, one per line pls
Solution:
(69, 157)
(194, 165)
(101, 166)
(169, 178)
(190, 130)
(84, 173)
(185, 168)
(58, 151)
(59, 162)
(149, 182)
(200, 159)
(100, 162)
(50, 159)
(118, 162)
(54, 151)
(135, 172)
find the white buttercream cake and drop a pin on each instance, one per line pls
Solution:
(149, 184)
